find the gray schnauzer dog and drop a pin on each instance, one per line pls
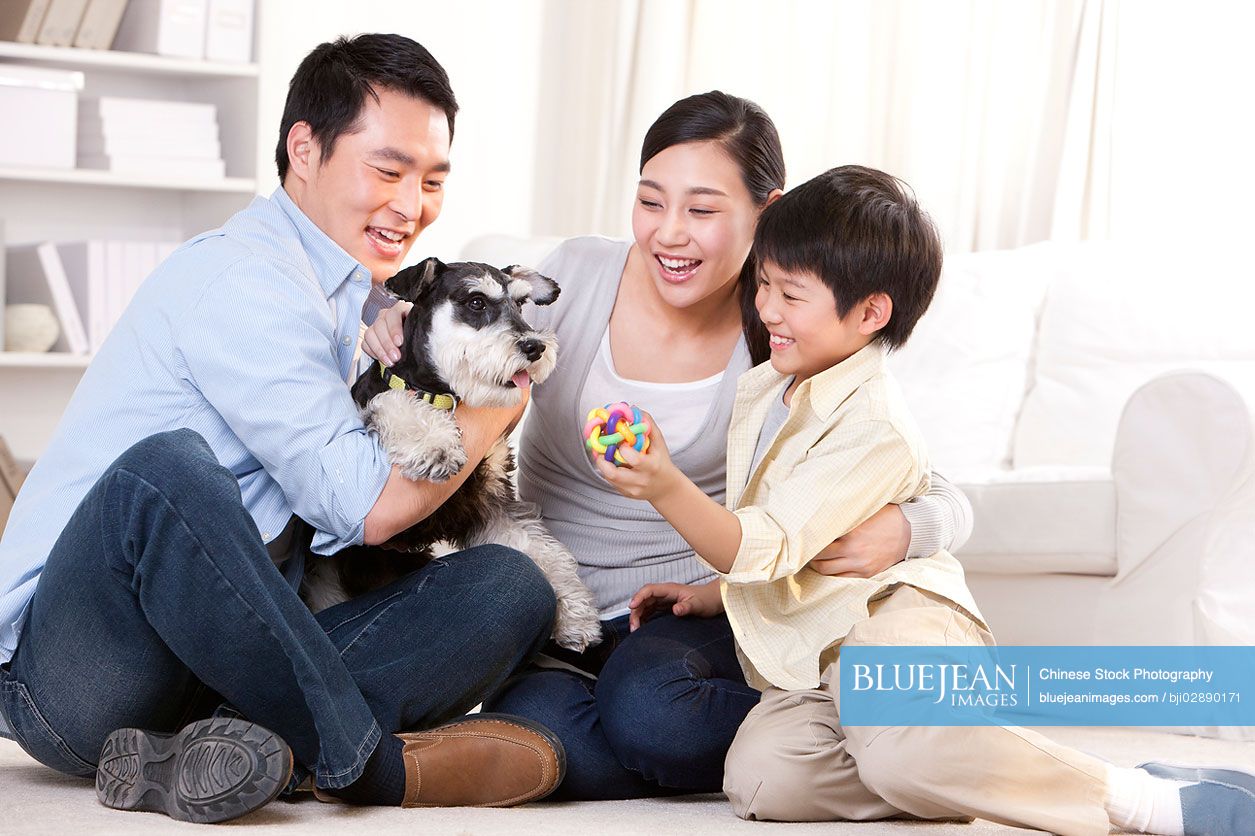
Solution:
(464, 341)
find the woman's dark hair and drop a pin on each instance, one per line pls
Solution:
(749, 137)
(332, 83)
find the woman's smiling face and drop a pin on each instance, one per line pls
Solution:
(693, 221)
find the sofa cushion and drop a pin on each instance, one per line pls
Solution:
(965, 369)
(504, 250)
(1115, 317)
(1042, 520)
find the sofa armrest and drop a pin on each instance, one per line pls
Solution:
(1184, 471)
(1182, 447)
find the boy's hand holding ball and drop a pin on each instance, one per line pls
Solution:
(646, 475)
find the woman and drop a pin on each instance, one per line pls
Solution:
(667, 321)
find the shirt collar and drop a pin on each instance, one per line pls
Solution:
(826, 390)
(332, 265)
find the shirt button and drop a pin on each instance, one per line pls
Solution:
(346, 340)
(265, 535)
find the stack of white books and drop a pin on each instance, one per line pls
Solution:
(87, 284)
(147, 137)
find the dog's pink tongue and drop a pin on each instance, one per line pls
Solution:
(522, 380)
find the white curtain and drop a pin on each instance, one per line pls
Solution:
(1014, 121)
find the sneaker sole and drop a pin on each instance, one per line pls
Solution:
(213, 770)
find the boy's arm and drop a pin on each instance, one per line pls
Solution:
(844, 479)
(713, 531)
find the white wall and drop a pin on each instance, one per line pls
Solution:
(492, 53)
(556, 96)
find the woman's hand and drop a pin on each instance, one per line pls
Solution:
(880, 542)
(383, 337)
(702, 601)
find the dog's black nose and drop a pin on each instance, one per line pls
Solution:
(532, 349)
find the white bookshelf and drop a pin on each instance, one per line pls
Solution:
(76, 204)
(47, 360)
(92, 177)
(134, 62)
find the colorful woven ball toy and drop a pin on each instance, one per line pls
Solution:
(628, 428)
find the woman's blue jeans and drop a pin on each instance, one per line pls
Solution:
(659, 718)
(159, 603)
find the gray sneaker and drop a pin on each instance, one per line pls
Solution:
(211, 771)
(1217, 802)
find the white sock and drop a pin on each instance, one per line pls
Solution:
(1137, 800)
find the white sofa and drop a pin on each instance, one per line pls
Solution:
(1093, 401)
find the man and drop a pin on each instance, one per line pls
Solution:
(148, 572)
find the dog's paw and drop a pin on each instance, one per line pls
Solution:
(577, 625)
(437, 464)
(422, 441)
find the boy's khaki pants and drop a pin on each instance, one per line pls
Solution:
(792, 760)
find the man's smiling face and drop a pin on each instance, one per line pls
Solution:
(383, 182)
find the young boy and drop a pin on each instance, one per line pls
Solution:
(820, 440)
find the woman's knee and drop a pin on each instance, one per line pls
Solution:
(659, 721)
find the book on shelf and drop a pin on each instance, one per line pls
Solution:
(229, 31)
(61, 22)
(174, 28)
(151, 114)
(149, 145)
(84, 263)
(99, 24)
(20, 19)
(35, 275)
(105, 275)
(150, 137)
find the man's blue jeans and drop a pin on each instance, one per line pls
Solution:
(658, 720)
(159, 603)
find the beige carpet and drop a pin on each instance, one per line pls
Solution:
(34, 800)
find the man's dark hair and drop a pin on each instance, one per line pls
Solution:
(749, 137)
(332, 83)
(861, 232)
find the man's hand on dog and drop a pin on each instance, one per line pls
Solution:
(383, 338)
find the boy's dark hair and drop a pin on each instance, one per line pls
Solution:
(332, 83)
(749, 138)
(861, 232)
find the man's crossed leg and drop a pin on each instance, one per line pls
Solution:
(159, 603)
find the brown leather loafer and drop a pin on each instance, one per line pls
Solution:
(481, 760)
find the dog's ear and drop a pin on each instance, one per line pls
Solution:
(413, 282)
(544, 289)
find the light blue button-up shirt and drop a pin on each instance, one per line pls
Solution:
(246, 335)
